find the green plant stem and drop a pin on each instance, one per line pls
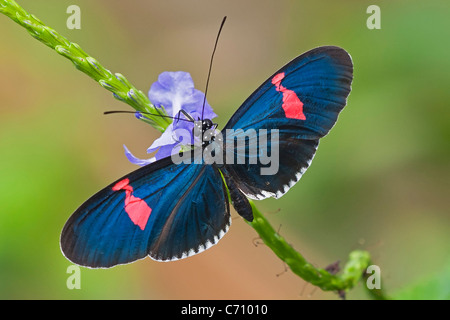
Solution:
(122, 89)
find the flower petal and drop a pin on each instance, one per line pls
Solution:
(172, 90)
(195, 105)
(166, 138)
(135, 160)
(167, 151)
(175, 92)
(183, 133)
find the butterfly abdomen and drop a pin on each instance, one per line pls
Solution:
(238, 199)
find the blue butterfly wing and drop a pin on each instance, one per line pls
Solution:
(321, 79)
(164, 210)
(302, 100)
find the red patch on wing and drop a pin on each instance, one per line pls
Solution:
(292, 106)
(136, 208)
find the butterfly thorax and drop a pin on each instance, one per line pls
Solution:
(208, 131)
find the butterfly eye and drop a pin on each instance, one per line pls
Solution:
(206, 125)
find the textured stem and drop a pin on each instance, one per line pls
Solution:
(121, 88)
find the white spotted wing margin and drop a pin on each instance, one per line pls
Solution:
(199, 219)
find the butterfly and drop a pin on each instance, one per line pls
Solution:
(171, 211)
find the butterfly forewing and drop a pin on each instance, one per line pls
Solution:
(302, 101)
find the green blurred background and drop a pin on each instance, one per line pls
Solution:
(379, 182)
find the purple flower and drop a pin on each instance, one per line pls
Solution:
(175, 92)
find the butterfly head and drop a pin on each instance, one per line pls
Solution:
(206, 125)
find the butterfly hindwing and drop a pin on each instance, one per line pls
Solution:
(302, 101)
(160, 210)
(295, 156)
(198, 218)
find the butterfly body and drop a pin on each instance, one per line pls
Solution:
(169, 210)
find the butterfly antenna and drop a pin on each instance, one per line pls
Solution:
(210, 63)
(138, 113)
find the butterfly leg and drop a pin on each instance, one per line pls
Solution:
(187, 115)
